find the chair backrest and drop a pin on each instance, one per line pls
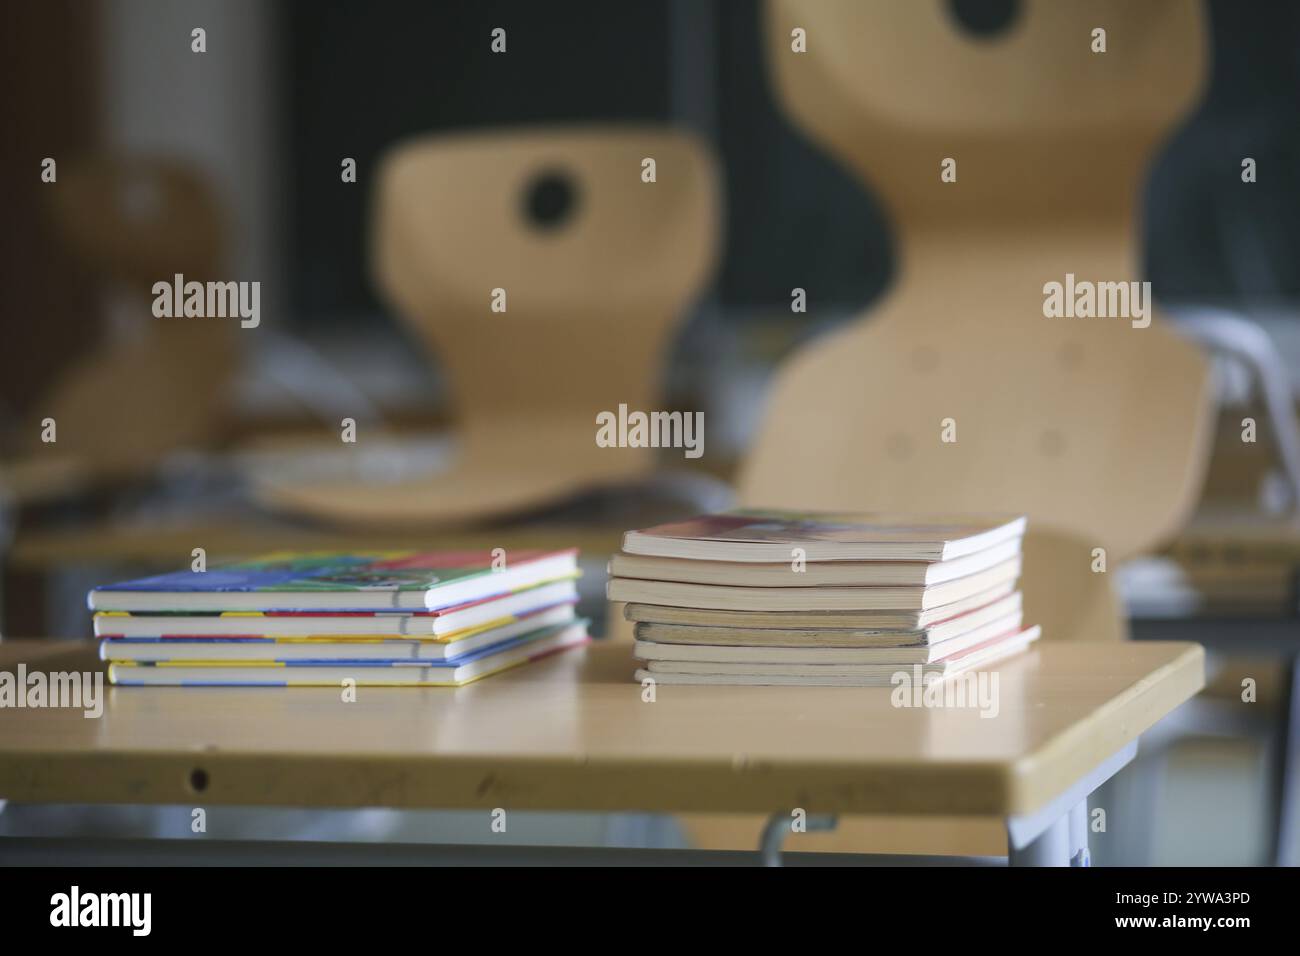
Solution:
(137, 220)
(1042, 127)
(960, 393)
(595, 267)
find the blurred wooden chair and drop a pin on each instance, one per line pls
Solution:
(1096, 429)
(596, 269)
(135, 221)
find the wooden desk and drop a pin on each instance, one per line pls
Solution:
(573, 733)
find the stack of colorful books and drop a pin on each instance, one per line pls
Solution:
(315, 619)
(764, 597)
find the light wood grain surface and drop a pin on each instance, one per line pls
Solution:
(572, 732)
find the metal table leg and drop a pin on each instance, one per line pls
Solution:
(778, 825)
(1049, 848)
(1079, 855)
(1057, 835)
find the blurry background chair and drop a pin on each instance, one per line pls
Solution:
(157, 386)
(132, 221)
(1094, 428)
(595, 269)
(135, 221)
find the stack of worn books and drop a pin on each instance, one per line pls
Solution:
(769, 597)
(317, 619)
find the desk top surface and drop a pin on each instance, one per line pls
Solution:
(573, 732)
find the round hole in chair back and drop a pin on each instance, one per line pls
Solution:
(985, 19)
(550, 199)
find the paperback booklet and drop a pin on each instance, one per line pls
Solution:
(396, 580)
(366, 673)
(686, 641)
(446, 624)
(816, 619)
(771, 536)
(729, 598)
(207, 649)
(811, 574)
(835, 675)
